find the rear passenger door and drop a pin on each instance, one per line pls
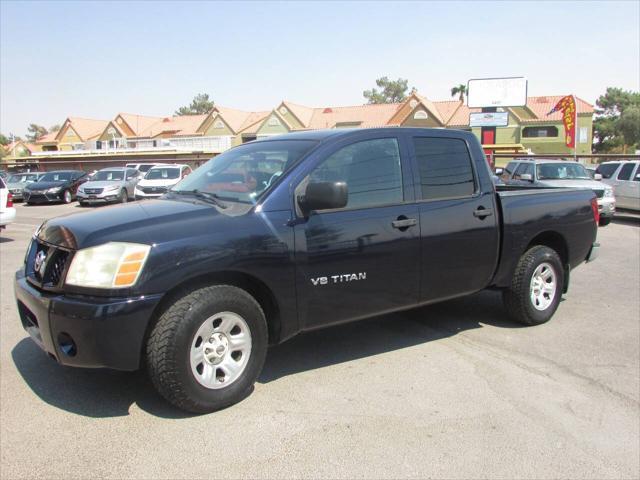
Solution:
(458, 223)
(362, 259)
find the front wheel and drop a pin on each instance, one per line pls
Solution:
(208, 348)
(536, 287)
(604, 221)
(123, 196)
(66, 196)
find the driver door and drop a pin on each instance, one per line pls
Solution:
(362, 259)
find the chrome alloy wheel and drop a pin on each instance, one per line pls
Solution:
(543, 286)
(220, 350)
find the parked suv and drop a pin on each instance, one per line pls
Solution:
(7, 210)
(160, 179)
(561, 173)
(109, 185)
(624, 177)
(143, 168)
(60, 185)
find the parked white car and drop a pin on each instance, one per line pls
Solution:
(7, 210)
(143, 168)
(159, 180)
(624, 177)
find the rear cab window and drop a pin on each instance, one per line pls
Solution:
(445, 168)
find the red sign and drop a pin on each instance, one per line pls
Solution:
(567, 105)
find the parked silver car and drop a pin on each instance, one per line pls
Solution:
(115, 184)
(17, 181)
(564, 174)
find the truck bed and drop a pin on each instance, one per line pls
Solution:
(529, 213)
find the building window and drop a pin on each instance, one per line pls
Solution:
(540, 132)
(274, 122)
(420, 115)
(218, 125)
(69, 133)
(283, 110)
(445, 168)
(413, 103)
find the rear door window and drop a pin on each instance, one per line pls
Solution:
(445, 168)
(626, 171)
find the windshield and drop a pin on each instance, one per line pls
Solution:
(23, 177)
(159, 173)
(108, 175)
(243, 173)
(562, 171)
(56, 177)
(145, 168)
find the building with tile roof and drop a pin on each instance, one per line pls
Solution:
(528, 128)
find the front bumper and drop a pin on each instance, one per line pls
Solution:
(139, 195)
(594, 252)
(32, 197)
(105, 197)
(7, 216)
(104, 332)
(16, 193)
(607, 207)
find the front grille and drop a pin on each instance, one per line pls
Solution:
(599, 193)
(16, 191)
(154, 189)
(46, 265)
(93, 191)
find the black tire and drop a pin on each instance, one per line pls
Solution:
(67, 197)
(604, 221)
(124, 197)
(81, 203)
(517, 298)
(169, 345)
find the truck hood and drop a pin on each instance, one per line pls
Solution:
(590, 184)
(131, 222)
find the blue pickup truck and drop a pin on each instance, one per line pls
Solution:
(288, 234)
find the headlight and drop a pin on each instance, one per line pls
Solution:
(112, 265)
(53, 190)
(608, 193)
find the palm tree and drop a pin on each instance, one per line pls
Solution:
(459, 90)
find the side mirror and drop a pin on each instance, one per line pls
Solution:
(597, 176)
(526, 177)
(499, 171)
(324, 196)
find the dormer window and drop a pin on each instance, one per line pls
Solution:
(219, 124)
(274, 122)
(413, 103)
(283, 110)
(420, 115)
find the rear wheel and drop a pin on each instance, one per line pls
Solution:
(66, 196)
(604, 221)
(208, 348)
(123, 196)
(536, 287)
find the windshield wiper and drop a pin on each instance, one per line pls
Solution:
(208, 196)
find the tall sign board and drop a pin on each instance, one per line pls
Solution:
(497, 92)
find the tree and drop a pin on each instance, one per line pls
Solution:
(55, 128)
(35, 132)
(617, 121)
(392, 91)
(4, 140)
(200, 104)
(460, 90)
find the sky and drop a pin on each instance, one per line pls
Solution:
(95, 59)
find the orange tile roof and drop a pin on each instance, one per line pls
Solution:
(367, 115)
(540, 106)
(301, 112)
(47, 138)
(138, 123)
(87, 128)
(447, 108)
(178, 125)
(239, 119)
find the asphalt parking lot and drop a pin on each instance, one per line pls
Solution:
(454, 390)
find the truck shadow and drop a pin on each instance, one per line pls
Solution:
(106, 393)
(627, 217)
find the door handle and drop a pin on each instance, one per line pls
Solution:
(402, 223)
(482, 212)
